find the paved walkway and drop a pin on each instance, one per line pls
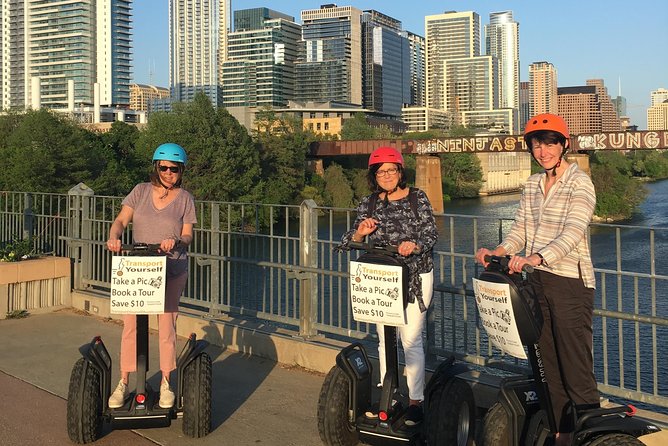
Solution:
(255, 401)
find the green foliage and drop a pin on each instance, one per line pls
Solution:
(17, 250)
(338, 192)
(283, 146)
(47, 153)
(223, 162)
(124, 167)
(17, 314)
(357, 128)
(429, 134)
(617, 194)
(359, 183)
(462, 175)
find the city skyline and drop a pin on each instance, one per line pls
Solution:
(625, 49)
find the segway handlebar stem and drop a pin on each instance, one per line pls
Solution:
(143, 248)
(502, 261)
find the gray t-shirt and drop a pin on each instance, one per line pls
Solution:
(152, 225)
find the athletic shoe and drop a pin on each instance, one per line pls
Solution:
(166, 395)
(413, 415)
(117, 399)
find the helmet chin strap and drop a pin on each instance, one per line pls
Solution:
(553, 169)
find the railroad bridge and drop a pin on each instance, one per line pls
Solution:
(505, 162)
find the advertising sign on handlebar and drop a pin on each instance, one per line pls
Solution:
(376, 293)
(497, 317)
(138, 284)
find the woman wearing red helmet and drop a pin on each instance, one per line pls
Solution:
(550, 233)
(387, 217)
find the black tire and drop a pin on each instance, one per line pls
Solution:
(84, 404)
(615, 439)
(538, 429)
(496, 427)
(197, 397)
(333, 425)
(450, 419)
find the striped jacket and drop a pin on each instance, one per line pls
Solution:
(556, 226)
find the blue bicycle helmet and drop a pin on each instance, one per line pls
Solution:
(170, 151)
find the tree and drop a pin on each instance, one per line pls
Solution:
(123, 167)
(462, 175)
(223, 162)
(338, 192)
(357, 128)
(282, 145)
(48, 153)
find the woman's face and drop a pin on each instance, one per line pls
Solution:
(388, 176)
(547, 154)
(169, 172)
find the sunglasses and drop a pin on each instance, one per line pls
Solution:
(172, 169)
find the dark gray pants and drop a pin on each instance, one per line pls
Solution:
(566, 344)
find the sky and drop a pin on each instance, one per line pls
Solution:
(618, 41)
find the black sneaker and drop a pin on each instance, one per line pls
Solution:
(413, 415)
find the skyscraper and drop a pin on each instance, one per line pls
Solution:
(502, 37)
(609, 119)
(330, 64)
(542, 88)
(55, 51)
(417, 69)
(657, 113)
(451, 35)
(260, 68)
(197, 46)
(386, 64)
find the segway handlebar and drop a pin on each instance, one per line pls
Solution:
(382, 249)
(503, 262)
(139, 248)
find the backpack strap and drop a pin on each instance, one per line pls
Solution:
(412, 200)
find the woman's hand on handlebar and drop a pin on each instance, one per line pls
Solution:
(481, 254)
(406, 248)
(168, 244)
(114, 245)
(366, 227)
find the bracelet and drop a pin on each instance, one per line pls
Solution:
(542, 260)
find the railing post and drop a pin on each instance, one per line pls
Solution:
(78, 213)
(214, 248)
(308, 257)
(28, 218)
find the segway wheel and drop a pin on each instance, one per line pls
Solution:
(616, 439)
(450, 417)
(197, 397)
(84, 405)
(333, 404)
(496, 426)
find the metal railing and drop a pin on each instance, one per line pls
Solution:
(277, 263)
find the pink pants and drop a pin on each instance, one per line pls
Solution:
(166, 330)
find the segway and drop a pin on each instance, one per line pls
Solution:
(90, 384)
(523, 413)
(379, 291)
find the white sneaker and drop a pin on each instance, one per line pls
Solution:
(166, 395)
(117, 399)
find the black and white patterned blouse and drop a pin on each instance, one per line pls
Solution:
(398, 223)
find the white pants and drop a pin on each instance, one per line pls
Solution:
(411, 341)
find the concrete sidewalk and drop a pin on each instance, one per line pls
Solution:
(255, 401)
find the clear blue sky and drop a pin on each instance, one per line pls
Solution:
(611, 40)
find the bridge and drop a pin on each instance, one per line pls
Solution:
(499, 174)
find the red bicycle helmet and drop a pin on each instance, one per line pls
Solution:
(386, 155)
(547, 121)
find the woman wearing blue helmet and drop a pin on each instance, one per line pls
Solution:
(161, 213)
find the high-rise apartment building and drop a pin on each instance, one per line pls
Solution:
(579, 106)
(524, 104)
(502, 38)
(452, 35)
(330, 64)
(657, 113)
(609, 118)
(542, 88)
(260, 67)
(658, 96)
(417, 69)
(386, 64)
(197, 47)
(53, 53)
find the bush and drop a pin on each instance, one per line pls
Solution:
(17, 250)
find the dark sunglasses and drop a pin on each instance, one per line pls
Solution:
(172, 169)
